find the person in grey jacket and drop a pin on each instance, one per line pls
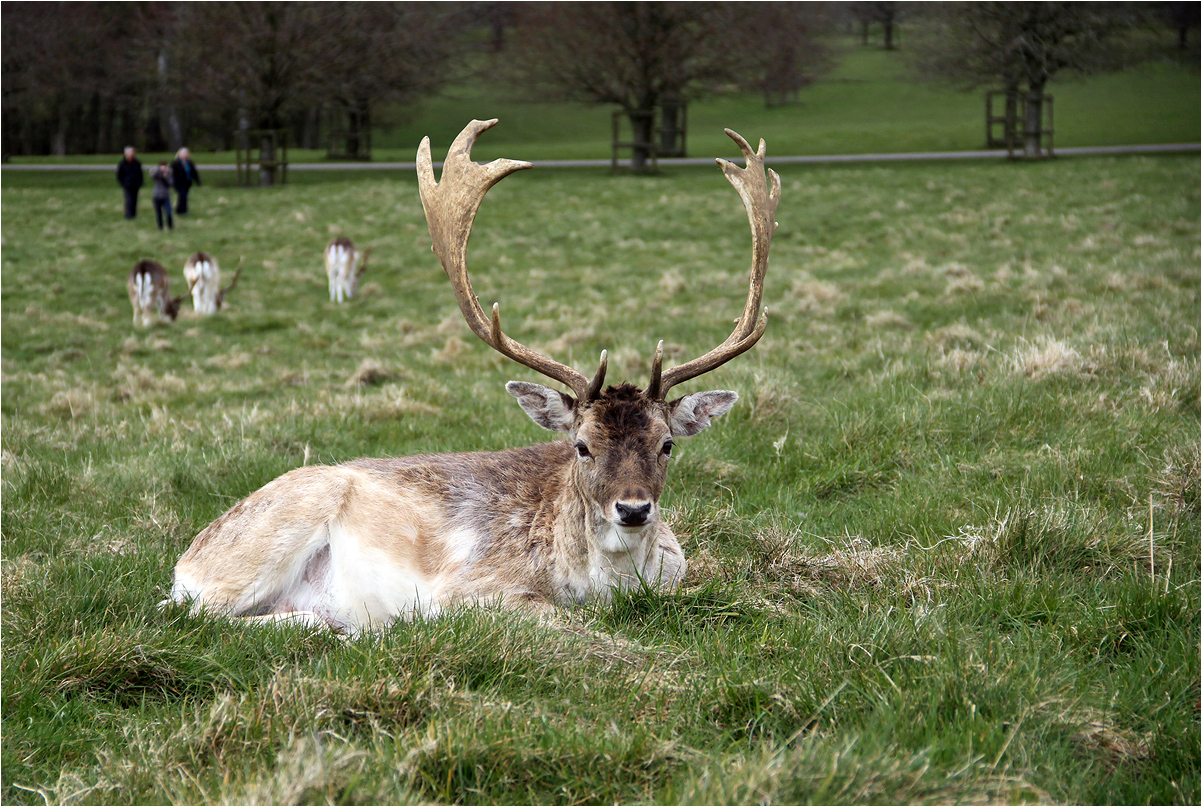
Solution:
(161, 196)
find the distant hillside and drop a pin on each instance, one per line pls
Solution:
(869, 103)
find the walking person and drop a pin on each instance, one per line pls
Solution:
(161, 196)
(129, 177)
(184, 172)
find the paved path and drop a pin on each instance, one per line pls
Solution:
(829, 158)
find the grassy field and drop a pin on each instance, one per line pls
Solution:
(945, 548)
(870, 103)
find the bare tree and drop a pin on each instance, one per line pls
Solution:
(259, 63)
(496, 17)
(637, 55)
(780, 47)
(887, 13)
(159, 31)
(1023, 45)
(376, 52)
(66, 87)
(83, 77)
(1181, 17)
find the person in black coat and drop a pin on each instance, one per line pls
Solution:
(185, 175)
(129, 177)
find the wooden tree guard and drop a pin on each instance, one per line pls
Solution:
(249, 145)
(665, 142)
(1000, 128)
(1007, 130)
(673, 141)
(339, 129)
(618, 144)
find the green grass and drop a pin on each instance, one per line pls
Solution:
(945, 548)
(870, 103)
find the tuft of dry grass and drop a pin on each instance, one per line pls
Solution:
(1049, 357)
(369, 373)
(1097, 731)
(234, 360)
(1180, 480)
(71, 403)
(888, 319)
(816, 297)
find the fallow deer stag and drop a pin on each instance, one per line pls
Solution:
(147, 285)
(204, 275)
(344, 266)
(359, 545)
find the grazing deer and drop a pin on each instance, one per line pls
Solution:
(344, 266)
(359, 545)
(147, 285)
(204, 276)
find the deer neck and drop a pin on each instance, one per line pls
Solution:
(592, 554)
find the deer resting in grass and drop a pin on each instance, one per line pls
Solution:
(147, 285)
(204, 275)
(344, 266)
(359, 545)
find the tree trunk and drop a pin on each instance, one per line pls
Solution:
(888, 34)
(266, 160)
(350, 145)
(311, 136)
(59, 142)
(365, 132)
(642, 126)
(155, 141)
(670, 128)
(1033, 125)
(864, 32)
(174, 137)
(1011, 126)
(128, 126)
(358, 138)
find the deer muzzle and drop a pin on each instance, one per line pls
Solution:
(633, 513)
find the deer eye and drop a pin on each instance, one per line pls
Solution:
(667, 449)
(582, 450)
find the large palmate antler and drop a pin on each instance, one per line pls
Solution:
(761, 200)
(451, 205)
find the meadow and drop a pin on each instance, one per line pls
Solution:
(944, 549)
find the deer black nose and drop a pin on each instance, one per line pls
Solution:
(633, 515)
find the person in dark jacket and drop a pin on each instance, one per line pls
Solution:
(185, 175)
(129, 177)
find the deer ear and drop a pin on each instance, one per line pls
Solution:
(546, 407)
(693, 412)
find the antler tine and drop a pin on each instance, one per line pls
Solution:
(451, 204)
(760, 193)
(237, 274)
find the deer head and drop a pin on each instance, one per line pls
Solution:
(622, 435)
(171, 307)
